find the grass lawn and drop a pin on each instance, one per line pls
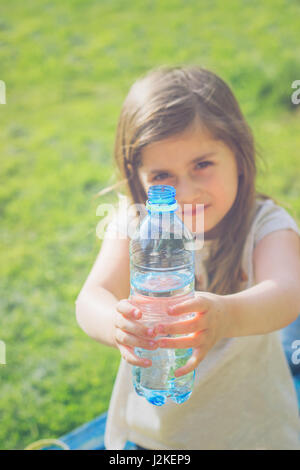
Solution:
(67, 67)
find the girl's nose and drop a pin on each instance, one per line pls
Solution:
(187, 192)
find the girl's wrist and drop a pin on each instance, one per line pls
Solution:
(227, 312)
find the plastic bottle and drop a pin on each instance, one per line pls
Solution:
(162, 273)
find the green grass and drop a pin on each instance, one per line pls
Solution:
(67, 68)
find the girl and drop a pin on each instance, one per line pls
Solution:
(182, 126)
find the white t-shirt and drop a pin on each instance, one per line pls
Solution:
(243, 396)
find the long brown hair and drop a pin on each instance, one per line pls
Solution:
(168, 101)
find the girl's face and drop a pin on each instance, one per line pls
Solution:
(201, 169)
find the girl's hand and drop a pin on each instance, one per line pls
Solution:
(130, 333)
(205, 329)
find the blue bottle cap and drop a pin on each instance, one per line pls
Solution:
(161, 197)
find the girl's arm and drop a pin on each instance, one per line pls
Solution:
(268, 306)
(107, 283)
(95, 308)
(103, 310)
(274, 302)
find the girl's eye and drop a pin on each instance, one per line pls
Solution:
(204, 164)
(164, 175)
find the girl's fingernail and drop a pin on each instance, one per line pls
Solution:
(136, 313)
(150, 331)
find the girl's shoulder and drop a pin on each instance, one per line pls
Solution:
(270, 216)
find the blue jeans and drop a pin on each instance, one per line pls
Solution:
(140, 448)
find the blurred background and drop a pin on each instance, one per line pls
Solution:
(67, 67)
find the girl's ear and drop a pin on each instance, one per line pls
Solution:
(128, 164)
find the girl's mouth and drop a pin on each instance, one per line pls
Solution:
(195, 209)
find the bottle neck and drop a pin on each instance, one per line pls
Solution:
(154, 208)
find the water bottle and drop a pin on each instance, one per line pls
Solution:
(162, 273)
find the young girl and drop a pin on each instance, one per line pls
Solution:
(182, 126)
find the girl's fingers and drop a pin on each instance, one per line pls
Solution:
(195, 359)
(190, 341)
(183, 327)
(197, 304)
(129, 356)
(133, 327)
(127, 339)
(128, 310)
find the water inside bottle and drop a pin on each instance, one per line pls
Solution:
(153, 292)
